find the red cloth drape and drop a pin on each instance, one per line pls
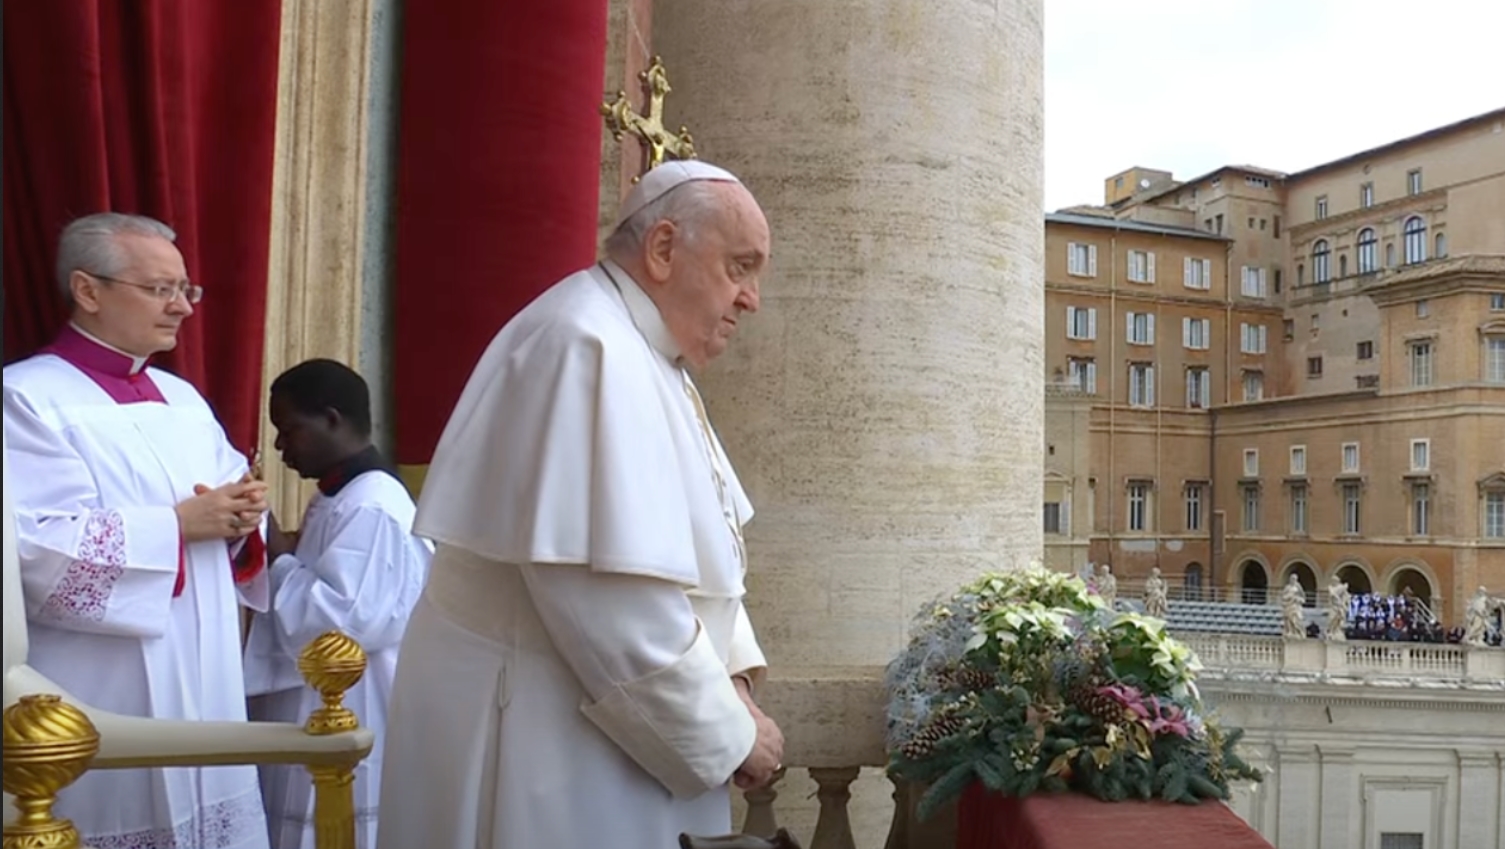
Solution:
(160, 107)
(499, 153)
(1075, 821)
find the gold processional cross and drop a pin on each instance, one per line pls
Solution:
(659, 142)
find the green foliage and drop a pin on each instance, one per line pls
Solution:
(1026, 683)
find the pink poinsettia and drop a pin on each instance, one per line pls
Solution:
(1129, 697)
(1168, 719)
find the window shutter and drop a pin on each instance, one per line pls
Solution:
(1071, 267)
(1264, 336)
(1186, 339)
(1092, 322)
(1263, 278)
(1186, 271)
(1092, 260)
(1150, 329)
(1092, 378)
(1206, 273)
(1206, 333)
(1071, 323)
(1066, 514)
(1149, 386)
(1129, 317)
(1149, 262)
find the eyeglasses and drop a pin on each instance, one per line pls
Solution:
(161, 291)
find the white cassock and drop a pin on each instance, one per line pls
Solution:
(121, 614)
(359, 570)
(565, 679)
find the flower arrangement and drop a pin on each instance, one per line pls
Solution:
(1026, 681)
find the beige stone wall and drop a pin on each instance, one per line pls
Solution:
(1477, 225)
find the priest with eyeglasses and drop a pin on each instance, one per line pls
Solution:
(138, 532)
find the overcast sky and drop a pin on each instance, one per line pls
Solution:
(1189, 85)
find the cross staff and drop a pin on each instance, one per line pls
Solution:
(620, 120)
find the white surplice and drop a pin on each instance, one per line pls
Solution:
(95, 484)
(565, 679)
(359, 570)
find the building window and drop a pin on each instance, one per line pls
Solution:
(1365, 350)
(1081, 372)
(1141, 267)
(1141, 327)
(1421, 455)
(1288, 329)
(1252, 338)
(1421, 363)
(1440, 246)
(1402, 840)
(1413, 181)
(1275, 227)
(1352, 508)
(1494, 359)
(1257, 182)
(1198, 388)
(1322, 270)
(1494, 515)
(1321, 207)
(1389, 254)
(1254, 385)
(1141, 385)
(1421, 510)
(1194, 497)
(1219, 219)
(1054, 523)
(1414, 240)
(1254, 280)
(1298, 460)
(1196, 273)
(1196, 333)
(1367, 253)
(1298, 509)
(1313, 367)
(1497, 301)
(1277, 281)
(1081, 323)
(1251, 462)
(1081, 260)
(1423, 308)
(1350, 458)
(1366, 195)
(1139, 506)
(1251, 508)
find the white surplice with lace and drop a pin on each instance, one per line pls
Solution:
(95, 482)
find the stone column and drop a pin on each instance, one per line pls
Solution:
(1339, 828)
(1481, 798)
(315, 282)
(1298, 803)
(885, 408)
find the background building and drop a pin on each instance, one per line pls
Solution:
(1326, 398)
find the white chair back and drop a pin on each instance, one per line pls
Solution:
(15, 604)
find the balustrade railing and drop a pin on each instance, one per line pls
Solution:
(834, 728)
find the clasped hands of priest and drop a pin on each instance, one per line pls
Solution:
(227, 512)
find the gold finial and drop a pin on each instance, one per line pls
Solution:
(332, 664)
(620, 120)
(48, 745)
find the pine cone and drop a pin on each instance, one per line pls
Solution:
(965, 678)
(1095, 703)
(924, 741)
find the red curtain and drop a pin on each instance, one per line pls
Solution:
(160, 107)
(498, 170)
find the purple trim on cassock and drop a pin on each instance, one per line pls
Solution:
(117, 374)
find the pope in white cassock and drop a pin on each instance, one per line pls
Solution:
(138, 535)
(579, 670)
(353, 566)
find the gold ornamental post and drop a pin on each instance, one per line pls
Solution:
(649, 126)
(48, 744)
(332, 664)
